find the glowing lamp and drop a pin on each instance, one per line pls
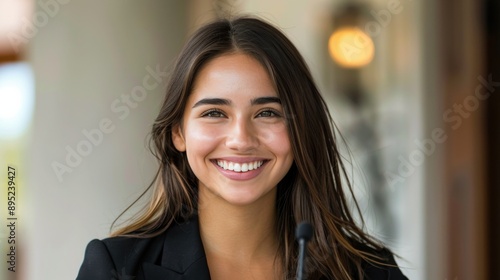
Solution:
(350, 47)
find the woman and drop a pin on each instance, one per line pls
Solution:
(247, 150)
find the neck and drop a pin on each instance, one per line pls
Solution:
(238, 233)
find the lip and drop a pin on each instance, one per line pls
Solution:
(240, 176)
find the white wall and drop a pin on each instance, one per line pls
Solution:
(86, 57)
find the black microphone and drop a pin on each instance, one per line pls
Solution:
(303, 233)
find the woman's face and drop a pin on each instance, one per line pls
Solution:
(234, 131)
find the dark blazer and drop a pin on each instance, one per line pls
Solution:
(173, 255)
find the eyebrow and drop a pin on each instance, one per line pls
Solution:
(222, 101)
(212, 101)
(265, 100)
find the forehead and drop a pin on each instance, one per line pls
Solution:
(234, 75)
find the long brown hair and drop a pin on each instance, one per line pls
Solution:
(316, 187)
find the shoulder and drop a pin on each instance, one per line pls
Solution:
(386, 268)
(97, 263)
(111, 257)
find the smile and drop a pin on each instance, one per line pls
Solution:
(240, 166)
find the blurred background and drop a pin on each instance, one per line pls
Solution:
(412, 85)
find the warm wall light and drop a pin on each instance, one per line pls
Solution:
(350, 47)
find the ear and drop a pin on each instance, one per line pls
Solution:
(178, 138)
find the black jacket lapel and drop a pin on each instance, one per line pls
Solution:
(183, 256)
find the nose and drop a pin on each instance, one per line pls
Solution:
(242, 136)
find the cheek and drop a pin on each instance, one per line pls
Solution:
(200, 140)
(277, 139)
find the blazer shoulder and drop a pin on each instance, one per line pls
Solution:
(97, 262)
(118, 256)
(388, 270)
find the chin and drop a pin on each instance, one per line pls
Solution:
(240, 200)
(246, 197)
(240, 195)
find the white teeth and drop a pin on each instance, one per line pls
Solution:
(239, 167)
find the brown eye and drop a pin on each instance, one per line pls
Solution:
(213, 113)
(268, 114)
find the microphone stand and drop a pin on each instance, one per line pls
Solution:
(303, 233)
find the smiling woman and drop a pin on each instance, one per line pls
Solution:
(233, 120)
(247, 151)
